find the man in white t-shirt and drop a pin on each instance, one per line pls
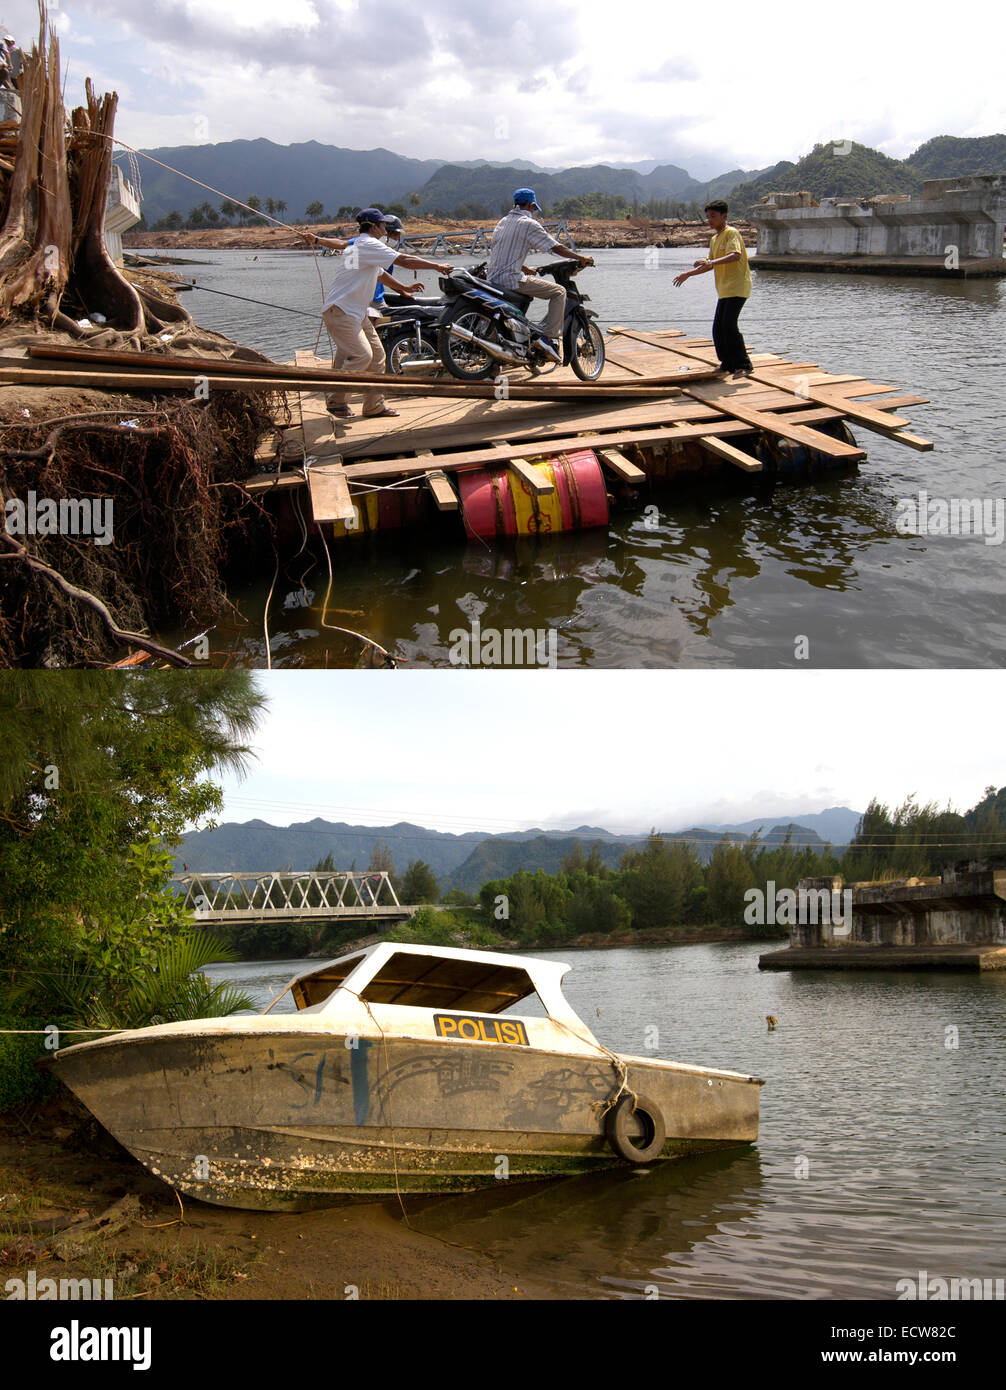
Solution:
(356, 346)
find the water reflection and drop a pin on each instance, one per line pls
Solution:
(727, 577)
(615, 1230)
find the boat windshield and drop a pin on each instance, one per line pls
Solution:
(444, 982)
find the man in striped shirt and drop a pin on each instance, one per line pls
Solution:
(515, 235)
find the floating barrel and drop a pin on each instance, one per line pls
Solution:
(786, 456)
(390, 509)
(497, 503)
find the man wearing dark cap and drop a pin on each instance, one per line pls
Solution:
(356, 346)
(517, 234)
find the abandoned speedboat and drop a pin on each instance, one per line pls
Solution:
(404, 1068)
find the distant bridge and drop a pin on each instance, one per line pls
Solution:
(466, 243)
(285, 896)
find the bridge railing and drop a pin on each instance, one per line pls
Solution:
(466, 242)
(287, 893)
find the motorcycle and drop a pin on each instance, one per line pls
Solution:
(409, 333)
(485, 328)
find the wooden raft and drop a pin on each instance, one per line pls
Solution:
(657, 389)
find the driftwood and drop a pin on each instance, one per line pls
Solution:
(54, 263)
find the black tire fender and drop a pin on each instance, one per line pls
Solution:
(616, 1126)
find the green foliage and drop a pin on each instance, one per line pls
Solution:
(947, 156)
(273, 940)
(594, 906)
(102, 772)
(610, 206)
(430, 926)
(832, 170)
(728, 877)
(457, 897)
(657, 882)
(20, 1079)
(419, 884)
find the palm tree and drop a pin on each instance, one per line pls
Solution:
(174, 988)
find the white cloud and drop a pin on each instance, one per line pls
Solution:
(626, 750)
(574, 82)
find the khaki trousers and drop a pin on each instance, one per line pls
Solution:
(541, 288)
(355, 348)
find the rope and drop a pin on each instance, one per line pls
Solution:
(43, 1031)
(391, 1119)
(262, 303)
(256, 212)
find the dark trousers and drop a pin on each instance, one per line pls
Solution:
(727, 336)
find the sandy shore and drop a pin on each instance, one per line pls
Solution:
(588, 235)
(60, 1169)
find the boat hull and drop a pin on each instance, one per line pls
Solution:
(288, 1121)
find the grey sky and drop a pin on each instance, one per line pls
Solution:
(573, 82)
(625, 750)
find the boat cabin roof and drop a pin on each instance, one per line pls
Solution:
(435, 977)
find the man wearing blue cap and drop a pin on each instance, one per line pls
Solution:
(515, 235)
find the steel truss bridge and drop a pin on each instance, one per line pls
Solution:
(288, 896)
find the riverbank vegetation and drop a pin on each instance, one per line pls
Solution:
(102, 773)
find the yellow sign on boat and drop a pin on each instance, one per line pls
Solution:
(498, 1030)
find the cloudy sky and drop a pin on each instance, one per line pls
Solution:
(624, 750)
(709, 87)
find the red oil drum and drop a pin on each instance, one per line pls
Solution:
(390, 509)
(497, 503)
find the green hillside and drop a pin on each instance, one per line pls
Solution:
(947, 156)
(829, 172)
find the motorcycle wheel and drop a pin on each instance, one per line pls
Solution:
(467, 361)
(401, 347)
(587, 355)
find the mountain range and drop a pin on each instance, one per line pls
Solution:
(468, 860)
(301, 174)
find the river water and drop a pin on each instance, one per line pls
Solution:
(882, 1147)
(717, 579)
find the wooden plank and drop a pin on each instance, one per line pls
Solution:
(762, 420)
(273, 482)
(732, 455)
(861, 414)
(329, 488)
(913, 441)
(901, 402)
(408, 466)
(306, 370)
(648, 339)
(534, 477)
(534, 423)
(619, 464)
(443, 493)
(621, 362)
(268, 448)
(820, 395)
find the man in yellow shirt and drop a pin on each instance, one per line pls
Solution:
(728, 258)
